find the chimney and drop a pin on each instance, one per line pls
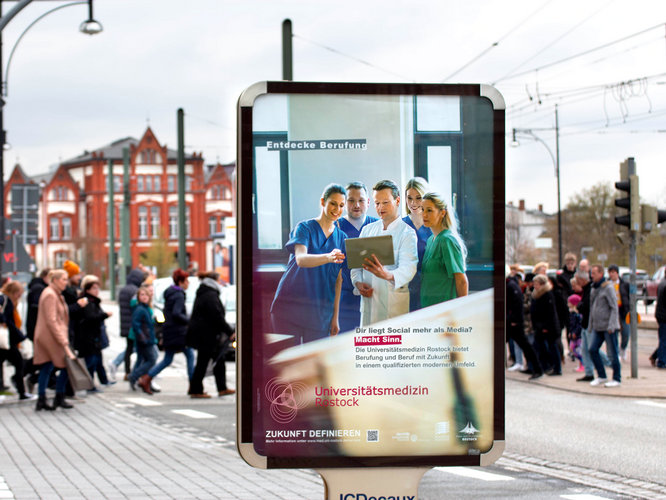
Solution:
(521, 205)
(540, 207)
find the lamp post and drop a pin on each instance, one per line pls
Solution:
(89, 27)
(556, 164)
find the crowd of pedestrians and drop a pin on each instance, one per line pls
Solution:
(65, 319)
(587, 306)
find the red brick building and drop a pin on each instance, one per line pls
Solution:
(73, 211)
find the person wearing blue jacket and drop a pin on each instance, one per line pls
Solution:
(174, 330)
(143, 332)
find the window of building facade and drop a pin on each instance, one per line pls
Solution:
(66, 228)
(139, 183)
(156, 183)
(60, 258)
(173, 221)
(155, 221)
(149, 183)
(171, 183)
(55, 229)
(212, 224)
(143, 222)
(226, 193)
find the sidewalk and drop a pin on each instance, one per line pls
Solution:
(651, 381)
(98, 451)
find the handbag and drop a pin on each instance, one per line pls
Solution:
(78, 374)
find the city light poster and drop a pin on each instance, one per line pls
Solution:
(371, 274)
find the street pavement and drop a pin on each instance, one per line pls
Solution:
(102, 449)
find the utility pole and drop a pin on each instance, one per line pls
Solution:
(125, 260)
(112, 232)
(182, 255)
(287, 55)
(557, 173)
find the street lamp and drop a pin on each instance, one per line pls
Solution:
(556, 164)
(89, 27)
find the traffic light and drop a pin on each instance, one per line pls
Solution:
(632, 203)
(650, 217)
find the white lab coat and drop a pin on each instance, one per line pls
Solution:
(389, 299)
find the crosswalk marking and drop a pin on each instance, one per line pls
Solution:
(583, 497)
(5, 492)
(475, 473)
(651, 403)
(144, 402)
(194, 414)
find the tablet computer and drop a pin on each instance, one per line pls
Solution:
(358, 249)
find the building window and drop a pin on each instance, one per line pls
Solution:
(226, 193)
(154, 221)
(66, 228)
(188, 183)
(149, 183)
(212, 224)
(156, 183)
(55, 229)
(139, 183)
(187, 222)
(173, 221)
(60, 259)
(117, 184)
(143, 222)
(171, 183)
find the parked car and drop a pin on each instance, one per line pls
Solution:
(228, 297)
(650, 290)
(642, 277)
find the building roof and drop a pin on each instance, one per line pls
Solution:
(114, 151)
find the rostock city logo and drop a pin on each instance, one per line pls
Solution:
(468, 433)
(285, 399)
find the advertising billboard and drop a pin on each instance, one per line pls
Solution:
(371, 274)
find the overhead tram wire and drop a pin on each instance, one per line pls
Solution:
(495, 44)
(580, 54)
(589, 91)
(527, 102)
(565, 34)
(340, 53)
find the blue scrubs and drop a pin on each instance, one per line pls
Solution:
(350, 304)
(422, 235)
(303, 303)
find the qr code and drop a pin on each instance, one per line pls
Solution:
(373, 436)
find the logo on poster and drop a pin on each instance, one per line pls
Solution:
(285, 399)
(468, 433)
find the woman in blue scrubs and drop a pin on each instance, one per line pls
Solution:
(414, 191)
(307, 299)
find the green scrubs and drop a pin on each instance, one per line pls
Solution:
(441, 260)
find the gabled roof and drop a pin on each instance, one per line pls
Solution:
(114, 151)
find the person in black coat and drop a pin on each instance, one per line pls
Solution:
(35, 289)
(11, 294)
(210, 334)
(174, 330)
(546, 325)
(514, 325)
(89, 331)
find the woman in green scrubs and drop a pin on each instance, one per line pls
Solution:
(443, 268)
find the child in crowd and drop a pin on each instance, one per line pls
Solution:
(575, 327)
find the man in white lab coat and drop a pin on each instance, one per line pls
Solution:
(384, 288)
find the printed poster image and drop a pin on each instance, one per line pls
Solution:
(392, 360)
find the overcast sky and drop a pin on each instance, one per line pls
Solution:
(68, 92)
